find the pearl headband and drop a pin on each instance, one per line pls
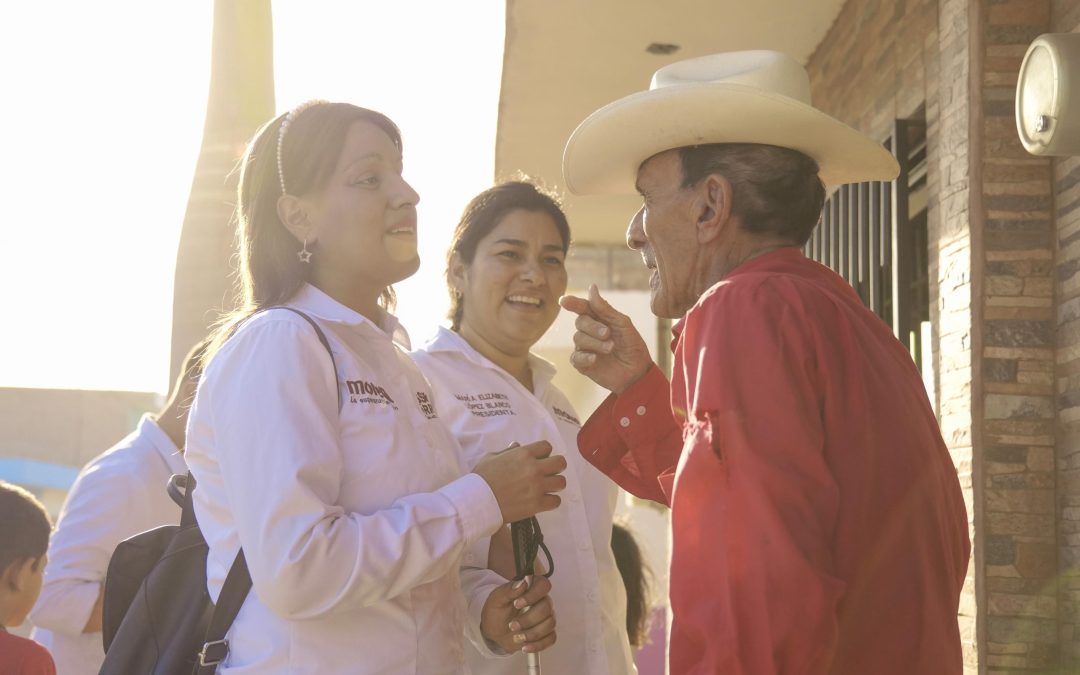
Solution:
(290, 117)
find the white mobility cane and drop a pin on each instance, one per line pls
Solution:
(527, 541)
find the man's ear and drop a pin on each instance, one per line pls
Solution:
(714, 209)
(293, 214)
(455, 273)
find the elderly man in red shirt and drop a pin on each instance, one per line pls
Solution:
(818, 525)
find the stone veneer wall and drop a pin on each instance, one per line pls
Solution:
(1011, 202)
(1065, 18)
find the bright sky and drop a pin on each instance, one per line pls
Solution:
(103, 115)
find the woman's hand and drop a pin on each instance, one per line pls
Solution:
(519, 616)
(523, 479)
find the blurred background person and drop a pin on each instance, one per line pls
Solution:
(119, 493)
(506, 272)
(637, 579)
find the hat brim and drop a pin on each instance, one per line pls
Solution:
(603, 154)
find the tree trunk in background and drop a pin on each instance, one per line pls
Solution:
(241, 99)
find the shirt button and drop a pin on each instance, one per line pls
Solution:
(591, 595)
(640, 410)
(624, 422)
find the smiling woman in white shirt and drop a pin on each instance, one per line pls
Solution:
(352, 516)
(505, 270)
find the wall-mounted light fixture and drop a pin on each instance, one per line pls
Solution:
(1048, 96)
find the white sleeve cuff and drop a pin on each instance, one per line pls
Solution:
(477, 508)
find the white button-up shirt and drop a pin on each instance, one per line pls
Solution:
(353, 523)
(487, 410)
(117, 495)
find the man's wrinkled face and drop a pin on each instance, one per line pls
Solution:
(664, 232)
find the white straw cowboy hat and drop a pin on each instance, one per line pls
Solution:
(736, 97)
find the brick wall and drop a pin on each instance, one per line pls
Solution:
(1065, 18)
(951, 243)
(1015, 200)
(874, 63)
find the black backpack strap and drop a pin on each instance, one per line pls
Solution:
(325, 343)
(233, 593)
(318, 331)
(238, 581)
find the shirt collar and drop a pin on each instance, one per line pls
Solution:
(446, 340)
(315, 302)
(774, 261)
(149, 429)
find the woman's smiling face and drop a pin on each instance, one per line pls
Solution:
(510, 291)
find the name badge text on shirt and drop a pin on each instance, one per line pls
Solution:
(490, 404)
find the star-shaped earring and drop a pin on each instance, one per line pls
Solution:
(304, 254)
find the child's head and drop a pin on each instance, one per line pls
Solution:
(24, 540)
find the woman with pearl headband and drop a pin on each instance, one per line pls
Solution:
(333, 473)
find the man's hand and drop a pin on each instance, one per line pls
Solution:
(523, 479)
(607, 348)
(519, 616)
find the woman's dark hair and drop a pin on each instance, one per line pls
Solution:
(484, 213)
(774, 190)
(24, 526)
(636, 578)
(269, 270)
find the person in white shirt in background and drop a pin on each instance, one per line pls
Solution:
(118, 494)
(352, 519)
(506, 272)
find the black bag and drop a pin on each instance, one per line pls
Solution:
(157, 617)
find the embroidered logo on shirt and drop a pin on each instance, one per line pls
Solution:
(426, 406)
(491, 404)
(565, 416)
(366, 392)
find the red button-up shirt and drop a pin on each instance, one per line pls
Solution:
(818, 524)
